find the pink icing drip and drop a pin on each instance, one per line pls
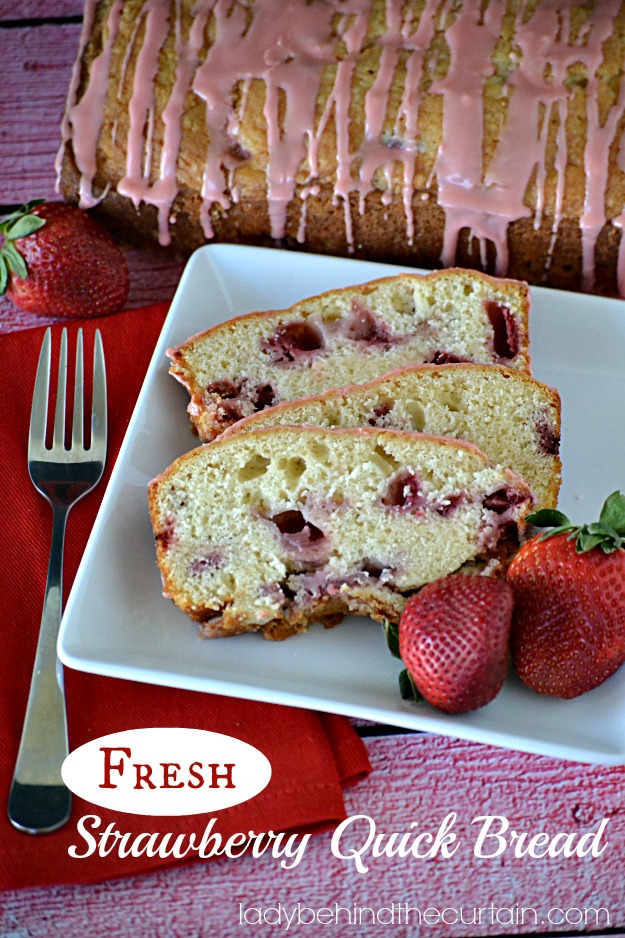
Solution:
(459, 161)
(487, 208)
(376, 152)
(286, 48)
(513, 164)
(376, 100)
(287, 45)
(135, 184)
(128, 54)
(213, 83)
(88, 112)
(409, 109)
(543, 39)
(560, 167)
(338, 102)
(67, 131)
(298, 120)
(598, 142)
(164, 191)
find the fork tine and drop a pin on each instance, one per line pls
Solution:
(39, 801)
(59, 413)
(98, 407)
(78, 426)
(39, 412)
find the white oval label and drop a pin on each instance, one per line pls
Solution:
(166, 771)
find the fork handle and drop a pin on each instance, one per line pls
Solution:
(39, 802)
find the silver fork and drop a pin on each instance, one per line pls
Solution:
(39, 802)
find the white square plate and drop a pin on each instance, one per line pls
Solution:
(117, 622)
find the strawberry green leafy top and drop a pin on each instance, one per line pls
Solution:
(608, 533)
(18, 224)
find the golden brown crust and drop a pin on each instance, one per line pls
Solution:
(329, 611)
(380, 235)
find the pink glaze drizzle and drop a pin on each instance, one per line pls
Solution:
(66, 127)
(87, 113)
(135, 184)
(289, 46)
(165, 189)
(598, 143)
(459, 163)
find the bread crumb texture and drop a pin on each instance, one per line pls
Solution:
(281, 526)
(350, 336)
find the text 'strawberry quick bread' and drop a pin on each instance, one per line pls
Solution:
(350, 336)
(481, 134)
(273, 529)
(512, 418)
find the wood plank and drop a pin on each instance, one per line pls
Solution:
(418, 779)
(39, 10)
(33, 101)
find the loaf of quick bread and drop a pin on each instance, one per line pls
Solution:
(481, 134)
(512, 418)
(350, 336)
(282, 526)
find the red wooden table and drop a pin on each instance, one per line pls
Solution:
(416, 777)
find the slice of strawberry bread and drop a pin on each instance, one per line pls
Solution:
(350, 336)
(512, 418)
(277, 528)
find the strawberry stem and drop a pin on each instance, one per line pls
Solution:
(408, 690)
(18, 224)
(608, 533)
(391, 633)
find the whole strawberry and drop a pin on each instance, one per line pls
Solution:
(453, 639)
(568, 632)
(55, 260)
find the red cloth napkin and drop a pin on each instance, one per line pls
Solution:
(312, 755)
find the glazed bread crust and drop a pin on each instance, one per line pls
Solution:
(350, 336)
(277, 528)
(480, 135)
(512, 418)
